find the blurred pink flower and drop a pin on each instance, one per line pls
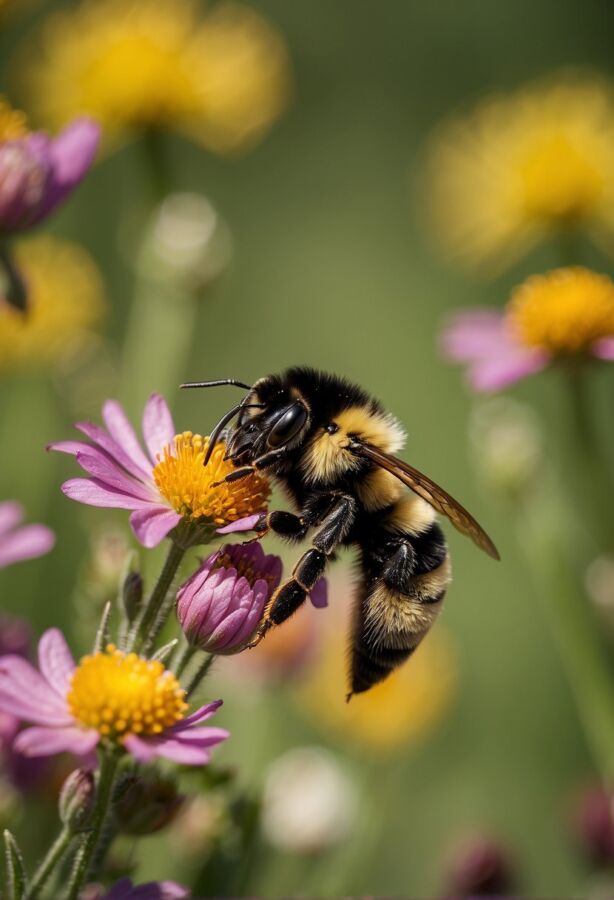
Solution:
(566, 313)
(20, 543)
(38, 172)
(594, 824)
(124, 889)
(60, 701)
(123, 476)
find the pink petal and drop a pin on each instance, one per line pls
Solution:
(198, 716)
(472, 334)
(146, 749)
(11, 514)
(25, 543)
(319, 594)
(248, 621)
(93, 493)
(104, 471)
(55, 660)
(26, 694)
(110, 446)
(73, 150)
(604, 349)
(158, 427)
(244, 524)
(122, 431)
(152, 525)
(201, 737)
(499, 372)
(47, 741)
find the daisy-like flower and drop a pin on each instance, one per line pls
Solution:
(19, 542)
(110, 696)
(38, 172)
(521, 166)
(65, 301)
(566, 313)
(124, 889)
(168, 484)
(138, 65)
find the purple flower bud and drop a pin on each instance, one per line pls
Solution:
(38, 172)
(478, 866)
(594, 825)
(221, 605)
(76, 803)
(146, 803)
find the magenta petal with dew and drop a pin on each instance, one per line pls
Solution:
(121, 430)
(152, 525)
(55, 660)
(158, 427)
(38, 741)
(11, 514)
(244, 524)
(27, 542)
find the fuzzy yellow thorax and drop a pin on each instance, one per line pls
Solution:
(563, 312)
(188, 485)
(118, 694)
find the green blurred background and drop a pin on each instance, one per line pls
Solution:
(333, 266)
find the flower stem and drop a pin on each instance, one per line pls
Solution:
(12, 286)
(46, 867)
(198, 676)
(143, 634)
(183, 658)
(104, 791)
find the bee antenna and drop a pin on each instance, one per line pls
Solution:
(218, 383)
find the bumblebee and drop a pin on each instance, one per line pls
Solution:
(331, 447)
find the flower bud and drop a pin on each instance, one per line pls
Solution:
(146, 803)
(132, 595)
(221, 605)
(478, 866)
(76, 801)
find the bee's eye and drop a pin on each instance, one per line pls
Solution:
(288, 425)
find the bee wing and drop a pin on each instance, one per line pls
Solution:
(439, 499)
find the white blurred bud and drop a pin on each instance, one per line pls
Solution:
(599, 582)
(199, 824)
(309, 803)
(507, 442)
(188, 241)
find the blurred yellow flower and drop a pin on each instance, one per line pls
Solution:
(537, 161)
(65, 302)
(13, 122)
(150, 64)
(401, 709)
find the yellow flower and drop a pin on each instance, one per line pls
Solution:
(13, 122)
(65, 303)
(537, 161)
(401, 709)
(144, 64)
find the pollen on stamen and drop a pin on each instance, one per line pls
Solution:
(188, 485)
(115, 693)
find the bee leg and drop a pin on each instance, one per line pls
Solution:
(400, 567)
(260, 463)
(334, 527)
(284, 524)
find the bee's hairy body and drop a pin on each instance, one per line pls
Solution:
(344, 500)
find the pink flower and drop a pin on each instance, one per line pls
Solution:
(124, 889)
(18, 544)
(566, 313)
(69, 705)
(221, 605)
(166, 484)
(38, 172)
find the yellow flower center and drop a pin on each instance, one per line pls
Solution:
(188, 485)
(118, 694)
(564, 311)
(559, 179)
(13, 123)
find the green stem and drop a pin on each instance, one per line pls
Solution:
(199, 675)
(104, 791)
(185, 655)
(141, 635)
(46, 867)
(12, 284)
